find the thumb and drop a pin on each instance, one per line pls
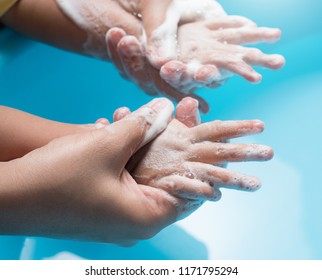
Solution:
(187, 112)
(160, 22)
(140, 127)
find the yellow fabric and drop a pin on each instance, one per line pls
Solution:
(5, 5)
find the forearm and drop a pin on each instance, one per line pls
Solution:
(154, 13)
(71, 25)
(80, 26)
(21, 132)
(23, 207)
(43, 20)
(14, 212)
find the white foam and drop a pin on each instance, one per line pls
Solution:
(182, 11)
(158, 124)
(89, 16)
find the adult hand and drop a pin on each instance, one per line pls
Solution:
(127, 54)
(77, 187)
(206, 62)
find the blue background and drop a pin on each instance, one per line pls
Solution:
(281, 221)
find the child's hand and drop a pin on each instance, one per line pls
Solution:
(127, 54)
(205, 62)
(211, 51)
(187, 160)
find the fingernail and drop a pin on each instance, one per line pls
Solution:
(256, 78)
(99, 125)
(130, 47)
(259, 125)
(277, 61)
(164, 109)
(114, 35)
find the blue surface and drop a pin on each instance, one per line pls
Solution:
(281, 221)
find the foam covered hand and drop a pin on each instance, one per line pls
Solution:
(188, 159)
(77, 187)
(209, 52)
(188, 162)
(195, 45)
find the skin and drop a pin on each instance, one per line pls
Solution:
(59, 191)
(18, 139)
(59, 30)
(170, 76)
(128, 56)
(218, 52)
(188, 161)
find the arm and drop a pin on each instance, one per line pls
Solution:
(21, 132)
(79, 26)
(66, 189)
(60, 191)
(43, 20)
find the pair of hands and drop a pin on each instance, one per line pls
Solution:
(108, 183)
(174, 47)
(208, 51)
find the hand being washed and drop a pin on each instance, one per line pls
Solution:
(173, 47)
(187, 160)
(204, 51)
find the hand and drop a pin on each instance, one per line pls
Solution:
(97, 17)
(77, 186)
(218, 53)
(127, 54)
(188, 161)
(198, 65)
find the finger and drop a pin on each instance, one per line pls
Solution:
(207, 74)
(121, 113)
(131, 51)
(134, 63)
(221, 130)
(215, 153)
(136, 130)
(210, 76)
(184, 187)
(254, 56)
(151, 120)
(172, 72)
(239, 67)
(161, 31)
(120, 17)
(113, 37)
(248, 35)
(187, 112)
(102, 122)
(173, 93)
(133, 60)
(203, 104)
(230, 22)
(222, 178)
(188, 77)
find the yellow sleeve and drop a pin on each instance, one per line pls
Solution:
(5, 5)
